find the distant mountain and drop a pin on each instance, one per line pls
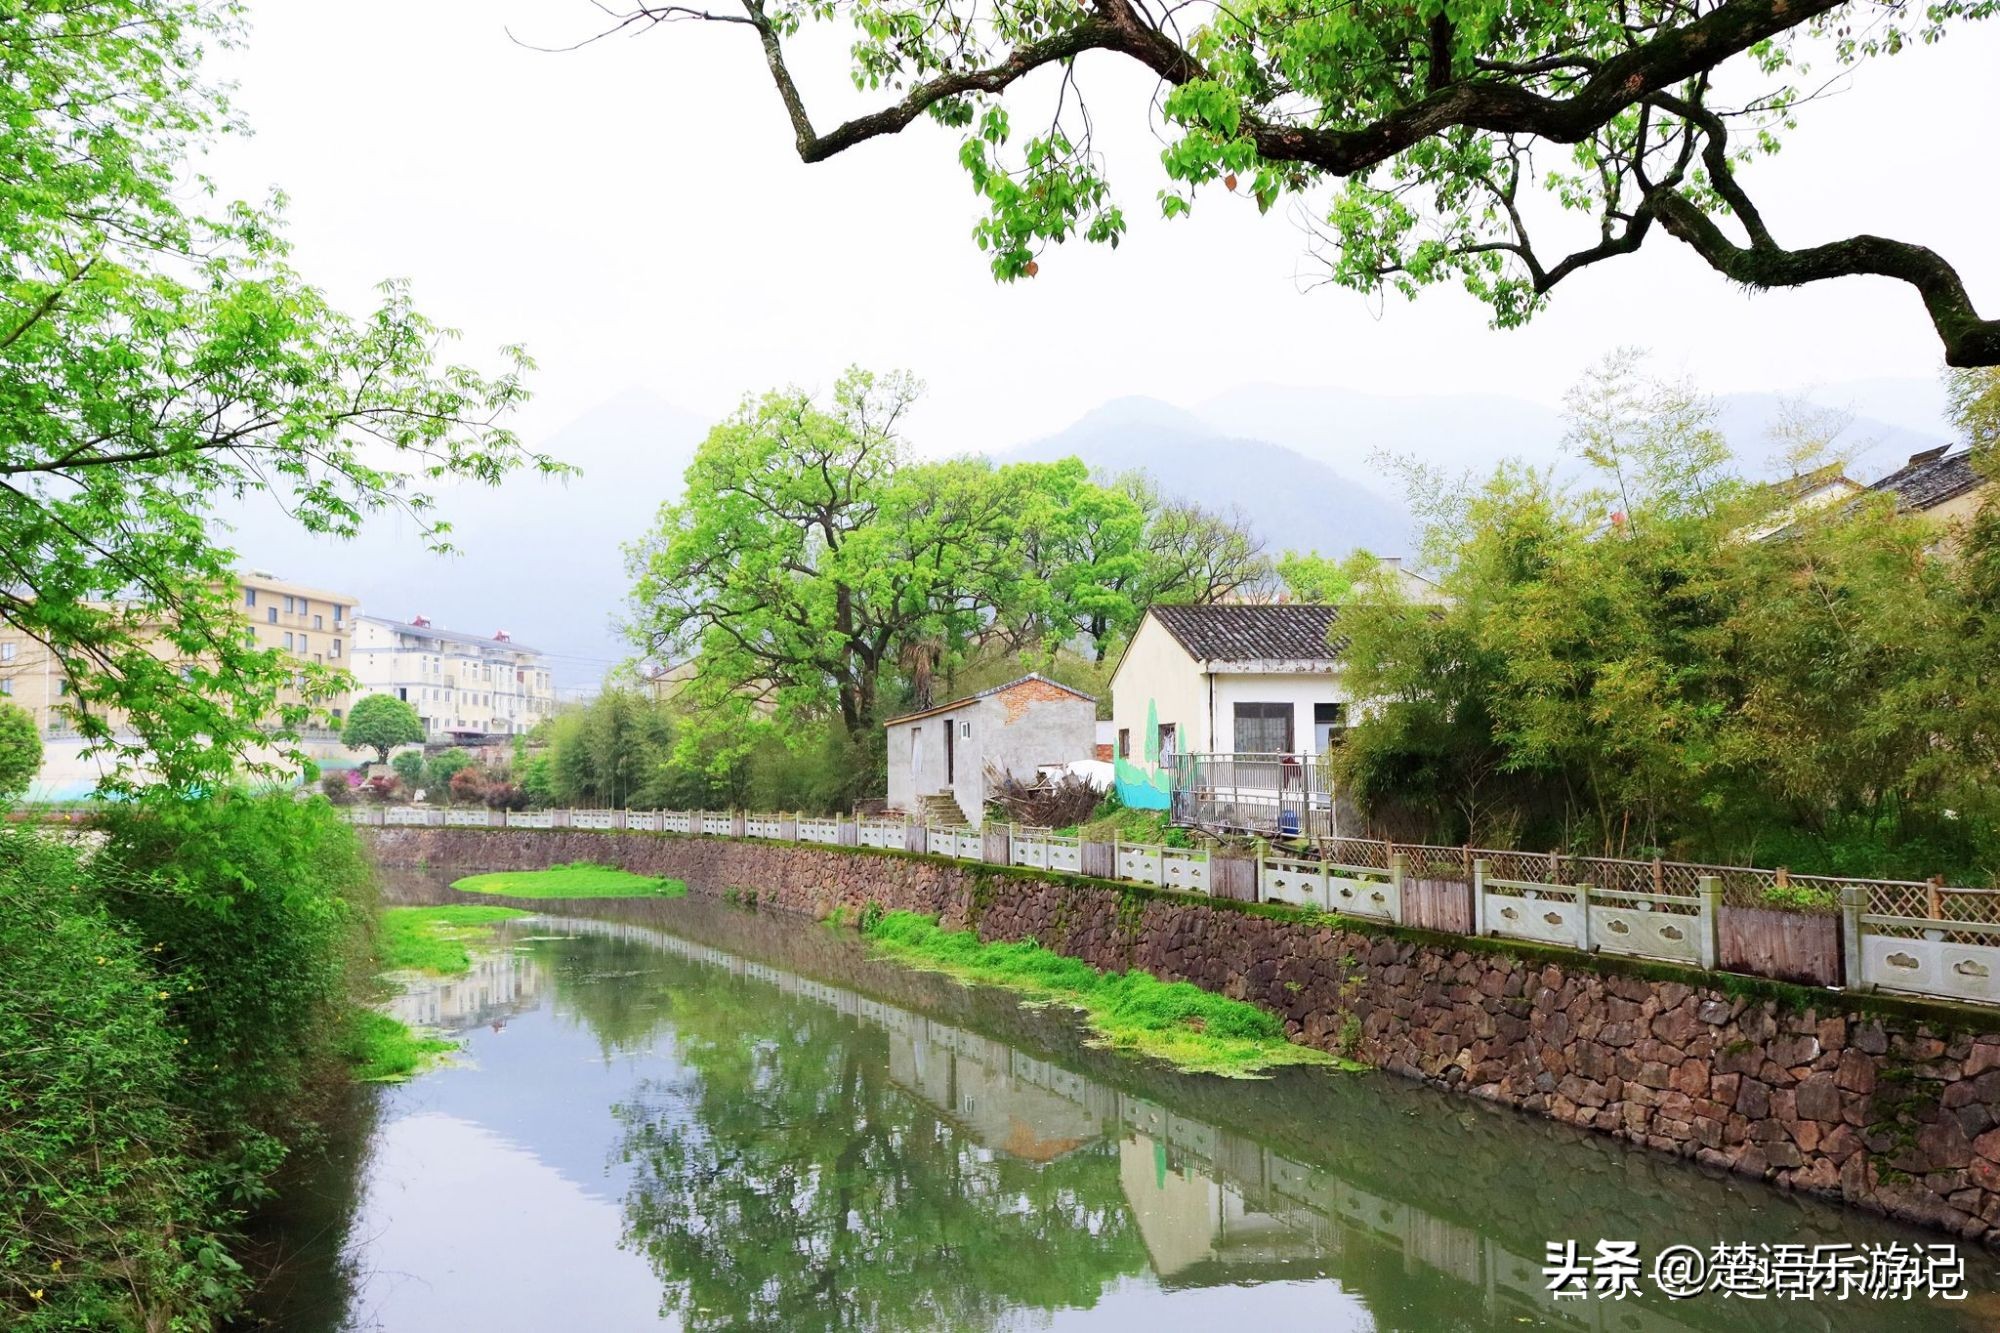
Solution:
(1292, 501)
(1345, 428)
(540, 559)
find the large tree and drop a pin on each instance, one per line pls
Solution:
(157, 355)
(1454, 128)
(808, 555)
(381, 722)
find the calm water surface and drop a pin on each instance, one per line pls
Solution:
(681, 1115)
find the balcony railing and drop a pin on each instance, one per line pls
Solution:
(1275, 795)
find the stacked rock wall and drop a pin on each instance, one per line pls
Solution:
(1893, 1107)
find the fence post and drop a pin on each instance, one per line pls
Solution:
(559, 818)
(620, 819)
(1709, 889)
(1853, 902)
(1583, 917)
(737, 825)
(1479, 896)
(1399, 873)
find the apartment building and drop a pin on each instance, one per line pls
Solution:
(308, 623)
(463, 686)
(311, 624)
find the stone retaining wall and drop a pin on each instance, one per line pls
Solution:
(1889, 1106)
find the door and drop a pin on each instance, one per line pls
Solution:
(950, 753)
(917, 761)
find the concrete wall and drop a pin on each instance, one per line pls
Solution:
(1889, 1106)
(1157, 672)
(1300, 689)
(1022, 729)
(1017, 730)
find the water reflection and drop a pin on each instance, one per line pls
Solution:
(672, 1120)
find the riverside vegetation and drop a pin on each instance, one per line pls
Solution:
(580, 879)
(180, 1008)
(1195, 1030)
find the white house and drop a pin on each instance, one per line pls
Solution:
(1233, 679)
(939, 757)
(463, 686)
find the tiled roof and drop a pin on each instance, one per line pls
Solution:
(451, 635)
(1246, 632)
(1930, 478)
(989, 693)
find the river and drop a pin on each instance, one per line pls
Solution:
(684, 1115)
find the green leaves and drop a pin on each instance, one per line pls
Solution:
(154, 360)
(381, 722)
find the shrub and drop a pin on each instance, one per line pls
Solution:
(106, 1220)
(409, 766)
(468, 785)
(506, 796)
(257, 906)
(338, 788)
(444, 767)
(20, 750)
(382, 788)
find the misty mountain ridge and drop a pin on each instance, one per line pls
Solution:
(543, 560)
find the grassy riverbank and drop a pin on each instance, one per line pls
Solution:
(179, 1013)
(1193, 1029)
(581, 879)
(437, 940)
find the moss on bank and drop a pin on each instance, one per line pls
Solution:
(580, 879)
(382, 1049)
(433, 940)
(436, 939)
(1195, 1030)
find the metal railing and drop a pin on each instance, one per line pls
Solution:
(1274, 795)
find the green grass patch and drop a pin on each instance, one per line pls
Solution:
(581, 879)
(382, 1050)
(436, 939)
(1190, 1028)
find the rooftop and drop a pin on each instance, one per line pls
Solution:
(451, 635)
(1253, 632)
(987, 694)
(1930, 478)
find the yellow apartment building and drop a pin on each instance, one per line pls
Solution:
(312, 624)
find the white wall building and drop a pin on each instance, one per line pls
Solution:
(462, 685)
(1253, 688)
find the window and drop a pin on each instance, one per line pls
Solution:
(1170, 743)
(289, 608)
(62, 687)
(319, 622)
(1329, 721)
(271, 616)
(288, 642)
(965, 731)
(338, 612)
(335, 650)
(303, 645)
(1124, 742)
(6, 687)
(7, 652)
(250, 637)
(1263, 728)
(249, 597)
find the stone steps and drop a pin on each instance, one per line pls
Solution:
(940, 810)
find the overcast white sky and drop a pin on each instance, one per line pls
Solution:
(635, 213)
